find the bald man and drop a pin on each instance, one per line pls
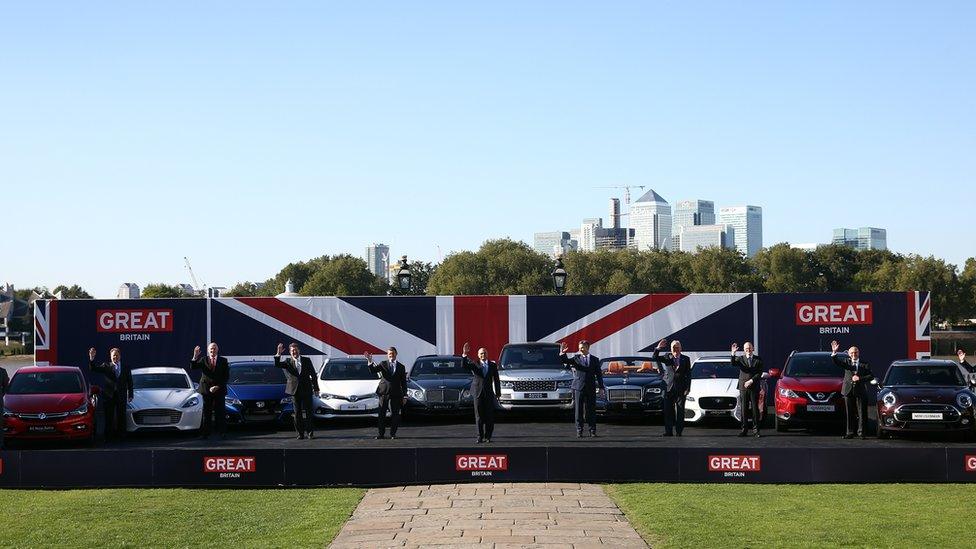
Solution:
(486, 386)
(676, 372)
(857, 375)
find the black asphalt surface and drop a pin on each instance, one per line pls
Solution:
(553, 430)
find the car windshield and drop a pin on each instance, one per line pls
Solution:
(524, 358)
(435, 367)
(630, 365)
(714, 370)
(160, 381)
(942, 376)
(347, 369)
(256, 373)
(813, 366)
(45, 383)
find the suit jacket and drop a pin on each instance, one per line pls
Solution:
(298, 378)
(678, 379)
(749, 369)
(212, 377)
(393, 384)
(587, 375)
(4, 381)
(483, 386)
(113, 386)
(969, 367)
(863, 371)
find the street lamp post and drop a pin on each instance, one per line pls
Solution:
(559, 276)
(403, 275)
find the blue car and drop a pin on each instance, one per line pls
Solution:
(256, 394)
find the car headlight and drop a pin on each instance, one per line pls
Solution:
(466, 394)
(690, 398)
(79, 411)
(286, 400)
(8, 413)
(232, 401)
(327, 396)
(565, 384)
(654, 390)
(416, 394)
(964, 400)
(787, 393)
(191, 402)
(508, 384)
(889, 399)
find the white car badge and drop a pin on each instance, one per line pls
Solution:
(42, 416)
(353, 398)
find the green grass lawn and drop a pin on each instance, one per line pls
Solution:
(174, 517)
(822, 515)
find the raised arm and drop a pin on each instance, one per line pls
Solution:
(196, 362)
(656, 357)
(838, 361)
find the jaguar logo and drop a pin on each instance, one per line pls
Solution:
(821, 396)
(42, 416)
(926, 400)
(353, 398)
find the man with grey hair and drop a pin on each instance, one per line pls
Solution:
(485, 388)
(676, 372)
(214, 375)
(854, 390)
(750, 379)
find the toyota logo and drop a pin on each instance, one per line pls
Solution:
(41, 416)
(820, 396)
(353, 398)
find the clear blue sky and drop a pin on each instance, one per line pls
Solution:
(249, 135)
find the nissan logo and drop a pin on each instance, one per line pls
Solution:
(820, 396)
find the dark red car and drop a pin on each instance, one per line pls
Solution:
(49, 402)
(808, 392)
(925, 395)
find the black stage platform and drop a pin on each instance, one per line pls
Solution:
(439, 451)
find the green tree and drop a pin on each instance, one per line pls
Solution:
(933, 275)
(242, 289)
(460, 273)
(161, 290)
(783, 268)
(967, 294)
(500, 266)
(343, 275)
(72, 292)
(297, 272)
(719, 270)
(836, 266)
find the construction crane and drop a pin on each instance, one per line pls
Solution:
(196, 285)
(626, 189)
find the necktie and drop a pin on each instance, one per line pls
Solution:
(484, 368)
(118, 369)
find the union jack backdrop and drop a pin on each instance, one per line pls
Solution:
(886, 326)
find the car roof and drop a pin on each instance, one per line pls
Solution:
(428, 357)
(712, 358)
(625, 357)
(33, 369)
(254, 361)
(158, 370)
(531, 344)
(924, 362)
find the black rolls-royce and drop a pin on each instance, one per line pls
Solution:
(439, 384)
(634, 386)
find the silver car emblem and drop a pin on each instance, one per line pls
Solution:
(42, 416)
(353, 398)
(820, 396)
(926, 400)
(259, 404)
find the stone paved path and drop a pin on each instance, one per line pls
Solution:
(488, 515)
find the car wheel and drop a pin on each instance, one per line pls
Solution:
(781, 426)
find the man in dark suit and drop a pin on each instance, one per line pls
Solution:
(301, 383)
(587, 378)
(962, 362)
(215, 372)
(4, 383)
(485, 388)
(676, 371)
(750, 377)
(116, 390)
(857, 375)
(392, 390)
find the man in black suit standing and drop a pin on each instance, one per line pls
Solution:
(116, 390)
(857, 375)
(392, 390)
(215, 372)
(676, 371)
(587, 378)
(301, 382)
(750, 377)
(4, 383)
(962, 362)
(485, 388)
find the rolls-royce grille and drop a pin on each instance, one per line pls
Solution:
(443, 395)
(528, 386)
(717, 403)
(157, 417)
(624, 395)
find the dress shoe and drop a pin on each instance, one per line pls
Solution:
(593, 434)
(300, 437)
(742, 433)
(380, 437)
(848, 436)
(579, 434)
(488, 440)
(480, 440)
(757, 434)
(860, 437)
(311, 434)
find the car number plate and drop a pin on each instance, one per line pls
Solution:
(820, 407)
(156, 420)
(717, 412)
(357, 406)
(41, 428)
(536, 395)
(927, 415)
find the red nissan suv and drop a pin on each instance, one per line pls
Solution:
(45, 402)
(808, 391)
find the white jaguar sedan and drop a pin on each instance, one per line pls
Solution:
(163, 399)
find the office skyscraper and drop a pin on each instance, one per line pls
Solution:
(378, 259)
(864, 238)
(650, 217)
(747, 223)
(689, 213)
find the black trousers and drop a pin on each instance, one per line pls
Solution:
(856, 408)
(304, 420)
(113, 416)
(484, 414)
(393, 404)
(674, 412)
(749, 399)
(214, 414)
(584, 408)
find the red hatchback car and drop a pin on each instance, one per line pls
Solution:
(808, 392)
(49, 402)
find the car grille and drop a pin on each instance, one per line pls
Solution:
(59, 415)
(526, 386)
(717, 403)
(157, 417)
(904, 412)
(624, 395)
(260, 406)
(820, 396)
(443, 395)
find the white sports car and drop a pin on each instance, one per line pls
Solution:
(163, 399)
(346, 389)
(714, 392)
